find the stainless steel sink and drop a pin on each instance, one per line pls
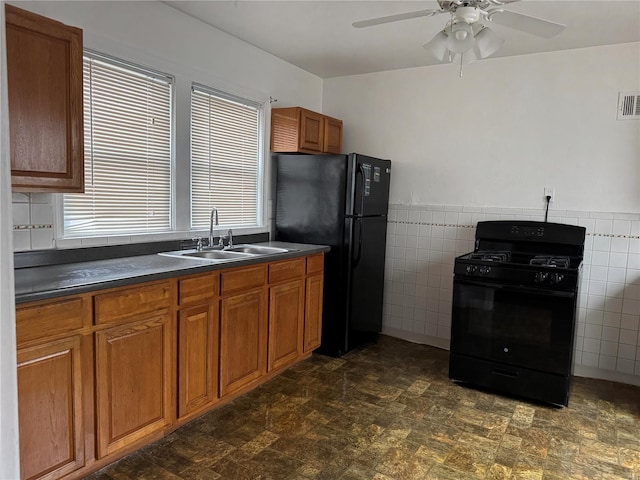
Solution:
(218, 255)
(257, 250)
(211, 255)
(239, 252)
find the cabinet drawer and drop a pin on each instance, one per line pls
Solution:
(315, 263)
(49, 319)
(198, 289)
(286, 270)
(243, 279)
(125, 304)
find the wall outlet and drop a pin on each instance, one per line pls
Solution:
(549, 192)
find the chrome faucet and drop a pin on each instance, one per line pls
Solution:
(198, 241)
(214, 217)
(230, 236)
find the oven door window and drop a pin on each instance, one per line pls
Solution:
(518, 326)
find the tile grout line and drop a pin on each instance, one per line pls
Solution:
(31, 227)
(455, 225)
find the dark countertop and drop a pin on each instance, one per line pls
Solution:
(50, 281)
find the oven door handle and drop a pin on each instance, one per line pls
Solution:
(516, 288)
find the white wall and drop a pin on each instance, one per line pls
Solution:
(500, 134)
(483, 147)
(155, 35)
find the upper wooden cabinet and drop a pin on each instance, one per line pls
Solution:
(332, 135)
(297, 129)
(44, 75)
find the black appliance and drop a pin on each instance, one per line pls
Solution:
(514, 309)
(340, 201)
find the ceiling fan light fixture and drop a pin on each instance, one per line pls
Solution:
(487, 43)
(461, 37)
(437, 46)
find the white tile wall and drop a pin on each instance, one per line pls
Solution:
(423, 240)
(32, 221)
(33, 227)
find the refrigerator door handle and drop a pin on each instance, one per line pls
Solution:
(357, 253)
(360, 172)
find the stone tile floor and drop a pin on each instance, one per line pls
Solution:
(389, 412)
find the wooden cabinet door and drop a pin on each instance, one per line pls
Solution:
(197, 358)
(243, 340)
(44, 77)
(133, 374)
(332, 135)
(311, 131)
(286, 321)
(50, 409)
(313, 313)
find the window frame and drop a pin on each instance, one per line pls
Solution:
(183, 79)
(262, 107)
(59, 215)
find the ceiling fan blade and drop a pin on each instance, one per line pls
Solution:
(526, 23)
(395, 18)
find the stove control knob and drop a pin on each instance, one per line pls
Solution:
(556, 278)
(540, 277)
(471, 269)
(485, 270)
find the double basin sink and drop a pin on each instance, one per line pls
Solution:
(238, 252)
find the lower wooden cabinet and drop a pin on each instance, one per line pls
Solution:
(313, 312)
(197, 358)
(243, 340)
(133, 378)
(50, 409)
(286, 323)
(99, 373)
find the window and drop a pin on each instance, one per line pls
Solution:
(225, 158)
(127, 151)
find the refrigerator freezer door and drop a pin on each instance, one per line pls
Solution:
(366, 278)
(368, 193)
(310, 198)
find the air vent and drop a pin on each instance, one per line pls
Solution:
(628, 105)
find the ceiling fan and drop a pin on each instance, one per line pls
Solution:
(464, 37)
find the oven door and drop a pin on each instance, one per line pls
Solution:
(519, 326)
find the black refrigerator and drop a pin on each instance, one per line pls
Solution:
(340, 201)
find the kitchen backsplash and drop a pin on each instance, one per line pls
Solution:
(33, 227)
(32, 221)
(423, 240)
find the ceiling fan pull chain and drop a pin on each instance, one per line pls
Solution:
(461, 58)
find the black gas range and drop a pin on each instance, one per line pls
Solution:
(514, 309)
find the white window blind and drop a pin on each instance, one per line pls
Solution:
(225, 158)
(127, 151)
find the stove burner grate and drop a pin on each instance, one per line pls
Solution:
(491, 256)
(550, 261)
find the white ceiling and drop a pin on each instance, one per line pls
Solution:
(317, 36)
